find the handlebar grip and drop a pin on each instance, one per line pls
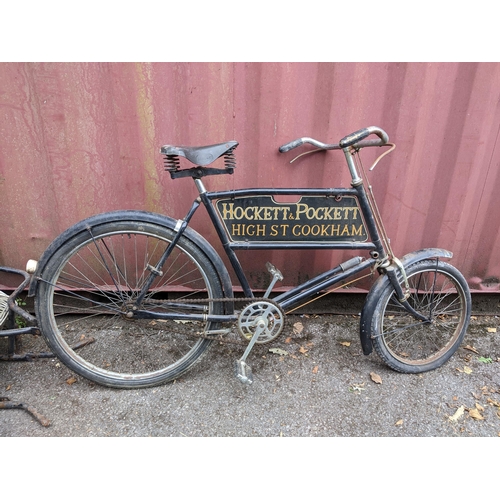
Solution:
(353, 138)
(359, 135)
(291, 145)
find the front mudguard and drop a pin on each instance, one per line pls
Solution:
(135, 215)
(375, 291)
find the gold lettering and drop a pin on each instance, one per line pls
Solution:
(274, 230)
(345, 231)
(328, 211)
(227, 214)
(301, 209)
(235, 230)
(246, 213)
(238, 213)
(284, 228)
(357, 232)
(315, 230)
(261, 230)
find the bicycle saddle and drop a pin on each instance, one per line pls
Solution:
(203, 155)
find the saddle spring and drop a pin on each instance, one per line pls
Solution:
(171, 163)
(230, 159)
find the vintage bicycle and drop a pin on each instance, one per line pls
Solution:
(133, 299)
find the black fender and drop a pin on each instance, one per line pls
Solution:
(381, 283)
(135, 215)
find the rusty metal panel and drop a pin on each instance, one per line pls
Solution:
(81, 138)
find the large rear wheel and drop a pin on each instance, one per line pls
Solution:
(94, 278)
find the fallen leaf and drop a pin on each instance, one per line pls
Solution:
(82, 337)
(492, 330)
(357, 388)
(303, 350)
(376, 378)
(484, 360)
(288, 340)
(470, 348)
(277, 350)
(9, 387)
(479, 407)
(315, 369)
(71, 380)
(297, 328)
(347, 344)
(474, 413)
(493, 402)
(457, 414)
(399, 422)
(467, 370)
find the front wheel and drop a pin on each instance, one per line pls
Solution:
(93, 279)
(437, 291)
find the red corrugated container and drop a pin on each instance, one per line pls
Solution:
(78, 139)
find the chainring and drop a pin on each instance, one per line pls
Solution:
(261, 314)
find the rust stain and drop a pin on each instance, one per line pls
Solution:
(146, 123)
(82, 138)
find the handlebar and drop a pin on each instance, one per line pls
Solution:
(356, 138)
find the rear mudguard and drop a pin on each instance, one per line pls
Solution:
(135, 215)
(381, 283)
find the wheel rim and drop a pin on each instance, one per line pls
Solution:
(99, 281)
(438, 296)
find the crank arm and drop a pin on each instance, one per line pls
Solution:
(243, 371)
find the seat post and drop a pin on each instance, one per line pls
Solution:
(200, 186)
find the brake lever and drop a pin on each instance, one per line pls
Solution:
(307, 153)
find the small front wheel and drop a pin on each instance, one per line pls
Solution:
(438, 292)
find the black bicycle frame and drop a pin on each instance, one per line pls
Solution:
(297, 294)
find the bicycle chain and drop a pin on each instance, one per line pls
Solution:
(220, 338)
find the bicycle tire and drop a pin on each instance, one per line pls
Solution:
(90, 280)
(408, 345)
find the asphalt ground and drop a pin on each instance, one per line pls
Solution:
(317, 384)
(332, 403)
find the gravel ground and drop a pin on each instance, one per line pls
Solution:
(323, 387)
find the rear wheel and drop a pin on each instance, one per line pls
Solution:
(93, 279)
(439, 292)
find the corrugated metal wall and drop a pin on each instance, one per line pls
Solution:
(78, 139)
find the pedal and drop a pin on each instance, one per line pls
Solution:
(276, 274)
(243, 372)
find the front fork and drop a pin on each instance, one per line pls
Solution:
(402, 294)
